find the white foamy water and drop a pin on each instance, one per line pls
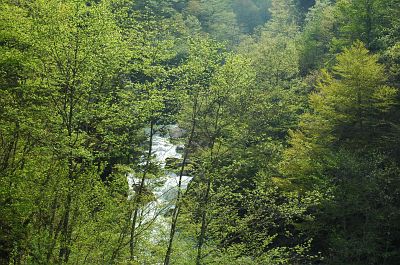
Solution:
(165, 191)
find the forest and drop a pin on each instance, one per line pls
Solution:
(200, 132)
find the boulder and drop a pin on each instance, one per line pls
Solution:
(172, 163)
(180, 149)
(175, 132)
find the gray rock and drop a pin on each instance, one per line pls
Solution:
(180, 149)
(172, 163)
(175, 132)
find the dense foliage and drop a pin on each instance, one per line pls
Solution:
(290, 120)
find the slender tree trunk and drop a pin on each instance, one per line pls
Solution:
(65, 228)
(206, 197)
(122, 235)
(53, 239)
(138, 195)
(65, 232)
(175, 213)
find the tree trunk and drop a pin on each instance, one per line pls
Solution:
(65, 232)
(175, 213)
(138, 195)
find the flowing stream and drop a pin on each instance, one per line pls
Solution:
(164, 188)
(164, 149)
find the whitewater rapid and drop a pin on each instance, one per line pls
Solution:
(165, 187)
